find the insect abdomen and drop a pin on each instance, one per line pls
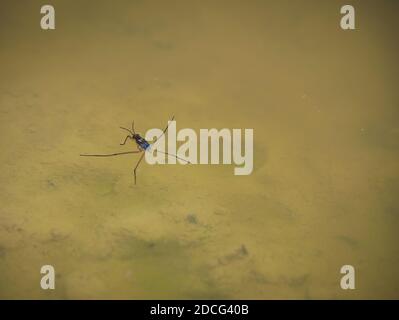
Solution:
(142, 143)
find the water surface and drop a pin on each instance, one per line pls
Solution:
(323, 104)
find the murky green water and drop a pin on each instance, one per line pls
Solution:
(323, 104)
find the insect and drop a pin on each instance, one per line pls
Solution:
(142, 146)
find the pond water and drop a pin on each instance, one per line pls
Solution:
(323, 104)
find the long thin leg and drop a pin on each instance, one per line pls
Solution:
(133, 127)
(157, 139)
(123, 143)
(173, 155)
(135, 168)
(109, 154)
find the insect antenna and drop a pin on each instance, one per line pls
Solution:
(128, 130)
(133, 127)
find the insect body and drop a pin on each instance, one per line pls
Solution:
(142, 146)
(141, 142)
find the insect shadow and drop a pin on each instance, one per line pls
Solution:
(142, 146)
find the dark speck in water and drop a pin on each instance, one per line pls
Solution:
(192, 218)
(151, 245)
(50, 184)
(243, 250)
(238, 254)
(2, 252)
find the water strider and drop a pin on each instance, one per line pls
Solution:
(142, 146)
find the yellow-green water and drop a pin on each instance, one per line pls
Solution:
(323, 104)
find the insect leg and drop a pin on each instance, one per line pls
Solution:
(123, 143)
(164, 131)
(173, 155)
(109, 154)
(135, 168)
